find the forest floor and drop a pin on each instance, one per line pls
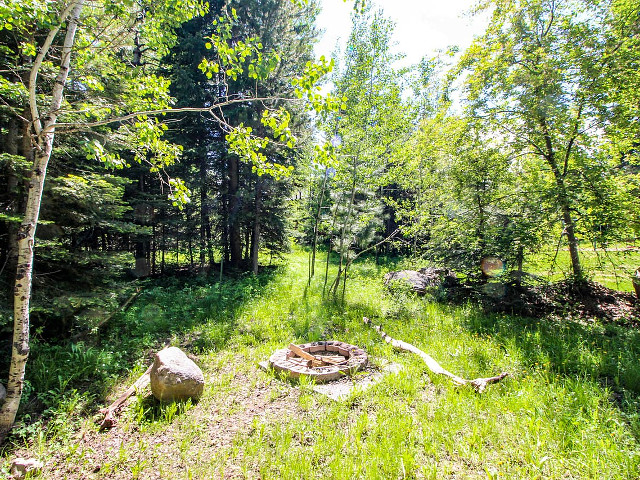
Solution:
(570, 407)
(587, 302)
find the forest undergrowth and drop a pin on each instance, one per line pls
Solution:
(570, 407)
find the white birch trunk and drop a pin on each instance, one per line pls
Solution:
(43, 145)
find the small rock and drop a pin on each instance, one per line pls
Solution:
(424, 278)
(21, 466)
(3, 394)
(175, 377)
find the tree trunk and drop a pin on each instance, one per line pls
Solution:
(22, 289)
(336, 282)
(142, 216)
(204, 214)
(564, 202)
(163, 246)
(315, 225)
(519, 262)
(26, 232)
(187, 215)
(235, 240)
(255, 234)
(177, 247)
(569, 224)
(481, 226)
(329, 248)
(13, 191)
(142, 268)
(209, 242)
(224, 241)
(247, 244)
(153, 249)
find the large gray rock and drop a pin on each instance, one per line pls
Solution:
(3, 394)
(21, 466)
(175, 377)
(424, 278)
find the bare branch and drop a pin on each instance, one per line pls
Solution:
(37, 63)
(73, 127)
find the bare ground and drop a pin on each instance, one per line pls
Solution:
(585, 301)
(198, 443)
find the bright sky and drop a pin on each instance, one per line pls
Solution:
(422, 26)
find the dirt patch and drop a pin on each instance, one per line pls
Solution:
(588, 301)
(368, 377)
(194, 442)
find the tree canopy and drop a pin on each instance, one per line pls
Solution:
(178, 137)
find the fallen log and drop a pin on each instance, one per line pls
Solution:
(122, 308)
(479, 384)
(109, 419)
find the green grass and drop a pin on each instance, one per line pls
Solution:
(612, 267)
(570, 408)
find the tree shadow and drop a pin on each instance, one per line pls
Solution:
(606, 353)
(198, 313)
(148, 410)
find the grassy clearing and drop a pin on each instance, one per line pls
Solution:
(570, 409)
(612, 267)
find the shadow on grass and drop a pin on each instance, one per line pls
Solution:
(149, 410)
(198, 312)
(606, 353)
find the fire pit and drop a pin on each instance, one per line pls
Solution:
(324, 361)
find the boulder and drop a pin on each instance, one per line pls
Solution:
(3, 394)
(424, 278)
(175, 377)
(21, 466)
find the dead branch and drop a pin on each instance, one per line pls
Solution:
(123, 308)
(479, 384)
(109, 419)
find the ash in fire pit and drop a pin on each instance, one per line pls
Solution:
(324, 361)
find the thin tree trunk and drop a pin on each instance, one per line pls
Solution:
(355, 257)
(481, 226)
(153, 249)
(142, 216)
(343, 231)
(247, 244)
(164, 248)
(204, 214)
(315, 225)
(223, 258)
(26, 232)
(11, 262)
(329, 248)
(177, 247)
(209, 242)
(255, 234)
(519, 262)
(564, 201)
(188, 218)
(235, 241)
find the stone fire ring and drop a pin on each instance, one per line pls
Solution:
(356, 360)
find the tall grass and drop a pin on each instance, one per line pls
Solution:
(613, 267)
(570, 408)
